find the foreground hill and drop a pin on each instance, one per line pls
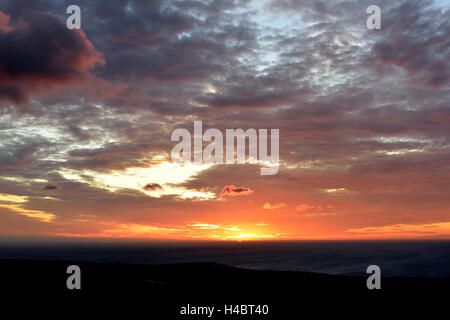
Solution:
(170, 291)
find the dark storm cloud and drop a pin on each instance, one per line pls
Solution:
(198, 55)
(416, 40)
(40, 52)
(265, 99)
(152, 49)
(113, 156)
(168, 63)
(17, 155)
(312, 9)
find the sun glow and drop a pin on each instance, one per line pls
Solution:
(164, 173)
(195, 230)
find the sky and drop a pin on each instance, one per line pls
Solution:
(86, 118)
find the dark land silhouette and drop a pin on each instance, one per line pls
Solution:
(160, 291)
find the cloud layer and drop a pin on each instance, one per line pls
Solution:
(86, 117)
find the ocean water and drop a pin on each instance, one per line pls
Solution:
(395, 258)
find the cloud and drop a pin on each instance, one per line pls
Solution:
(50, 186)
(232, 190)
(415, 39)
(204, 226)
(358, 109)
(41, 53)
(4, 22)
(268, 206)
(304, 207)
(324, 209)
(401, 230)
(237, 97)
(16, 204)
(337, 191)
(152, 187)
(18, 153)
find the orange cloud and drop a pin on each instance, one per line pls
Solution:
(303, 207)
(204, 226)
(4, 21)
(268, 206)
(404, 230)
(15, 204)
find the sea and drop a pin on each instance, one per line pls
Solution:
(427, 258)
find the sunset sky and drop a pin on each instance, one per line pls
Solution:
(86, 118)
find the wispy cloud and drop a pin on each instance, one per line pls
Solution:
(16, 205)
(438, 229)
(268, 206)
